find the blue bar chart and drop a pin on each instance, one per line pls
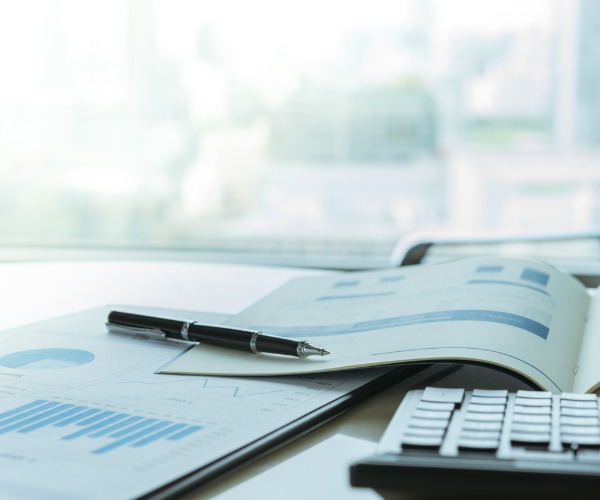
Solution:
(111, 429)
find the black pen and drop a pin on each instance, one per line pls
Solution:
(221, 336)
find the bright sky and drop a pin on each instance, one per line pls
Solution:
(302, 26)
(488, 17)
(312, 30)
(258, 37)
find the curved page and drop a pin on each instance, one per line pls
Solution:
(519, 314)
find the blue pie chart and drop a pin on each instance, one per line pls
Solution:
(46, 359)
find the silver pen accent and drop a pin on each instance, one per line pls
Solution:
(253, 340)
(305, 349)
(185, 328)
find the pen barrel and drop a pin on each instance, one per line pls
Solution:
(241, 340)
(277, 345)
(221, 336)
(170, 326)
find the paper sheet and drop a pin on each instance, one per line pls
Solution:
(520, 314)
(82, 415)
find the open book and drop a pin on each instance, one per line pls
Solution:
(521, 315)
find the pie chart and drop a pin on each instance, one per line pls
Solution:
(46, 359)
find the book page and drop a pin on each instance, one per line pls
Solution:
(520, 314)
(587, 378)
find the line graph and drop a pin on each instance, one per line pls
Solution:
(203, 383)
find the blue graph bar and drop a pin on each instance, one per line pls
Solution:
(21, 409)
(535, 276)
(490, 269)
(184, 433)
(134, 428)
(116, 427)
(65, 410)
(68, 416)
(93, 428)
(132, 437)
(18, 421)
(95, 418)
(16, 416)
(164, 433)
(346, 283)
(119, 429)
(85, 414)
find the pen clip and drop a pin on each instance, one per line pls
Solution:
(137, 331)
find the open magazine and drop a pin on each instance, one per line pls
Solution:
(521, 315)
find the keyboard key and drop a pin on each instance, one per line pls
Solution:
(580, 430)
(531, 419)
(580, 439)
(422, 441)
(579, 412)
(437, 415)
(420, 431)
(440, 395)
(486, 408)
(530, 437)
(426, 423)
(535, 402)
(487, 393)
(484, 417)
(568, 403)
(428, 405)
(482, 426)
(487, 400)
(534, 394)
(487, 435)
(532, 428)
(565, 419)
(578, 397)
(533, 410)
(478, 444)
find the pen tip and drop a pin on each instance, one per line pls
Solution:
(311, 350)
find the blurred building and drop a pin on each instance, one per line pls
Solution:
(587, 57)
(374, 125)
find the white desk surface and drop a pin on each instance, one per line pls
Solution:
(37, 291)
(40, 290)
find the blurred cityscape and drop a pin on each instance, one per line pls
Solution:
(296, 126)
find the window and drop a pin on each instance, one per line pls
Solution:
(295, 127)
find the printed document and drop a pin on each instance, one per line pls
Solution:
(83, 415)
(521, 315)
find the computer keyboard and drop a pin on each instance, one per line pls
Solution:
(454, 443)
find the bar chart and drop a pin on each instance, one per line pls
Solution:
(106, 430)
